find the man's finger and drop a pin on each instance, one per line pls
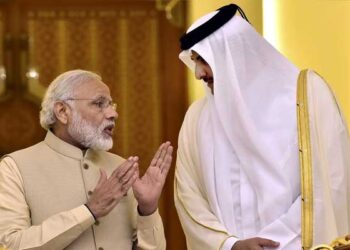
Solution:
(162, 154)
(167, 161)
(268, 243)
(129, 174)
(138, 172)
(157, 155)
(127, 186)
(124, 167)
(119, 168)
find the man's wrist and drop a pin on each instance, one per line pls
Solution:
(93, 215)
(144, 211)
(229, 243)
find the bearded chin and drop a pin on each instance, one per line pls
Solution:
(89, 136)
(101, 143)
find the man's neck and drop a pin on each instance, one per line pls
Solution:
(65, 136)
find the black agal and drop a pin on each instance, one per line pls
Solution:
(223, 16)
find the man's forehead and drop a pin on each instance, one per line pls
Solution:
(92, 88)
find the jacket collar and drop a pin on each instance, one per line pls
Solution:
(63, 147)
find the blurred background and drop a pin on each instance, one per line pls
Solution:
(133, 45)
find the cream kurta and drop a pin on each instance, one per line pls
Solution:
(330, 151)
(42, 192)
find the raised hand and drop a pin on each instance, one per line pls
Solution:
(255, 244)
(147, 189)
(109, 191)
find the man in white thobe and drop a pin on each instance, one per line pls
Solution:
(240, 182)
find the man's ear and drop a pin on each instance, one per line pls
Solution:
(61, 111)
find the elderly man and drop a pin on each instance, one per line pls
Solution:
(238, 183)
(67, 192)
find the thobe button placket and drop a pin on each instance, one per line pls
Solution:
(86, 166)
(89, 192)
(97, 222)
(100, 248)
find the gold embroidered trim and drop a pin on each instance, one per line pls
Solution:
(340, 243)
(305, 162)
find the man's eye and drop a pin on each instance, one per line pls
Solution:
(203, 61)
(99, 103)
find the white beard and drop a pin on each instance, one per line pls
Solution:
(88, 135)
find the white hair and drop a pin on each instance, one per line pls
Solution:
(60, 89)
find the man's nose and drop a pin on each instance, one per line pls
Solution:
(200, 73)
(111, 113)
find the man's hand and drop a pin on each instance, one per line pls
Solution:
(255, 244)
(147, 189)
(109, 191)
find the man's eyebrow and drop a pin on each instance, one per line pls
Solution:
(100, 97)
(96, 97)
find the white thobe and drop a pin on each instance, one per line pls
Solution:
(204, 227)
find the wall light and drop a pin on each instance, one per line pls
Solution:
(33, 74)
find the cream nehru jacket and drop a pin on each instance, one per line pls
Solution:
(58, 177)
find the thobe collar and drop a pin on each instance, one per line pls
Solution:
(65, 148)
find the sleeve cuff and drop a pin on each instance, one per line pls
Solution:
(228, 243)
(149, 221)
(91, 212)
(83, 216)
